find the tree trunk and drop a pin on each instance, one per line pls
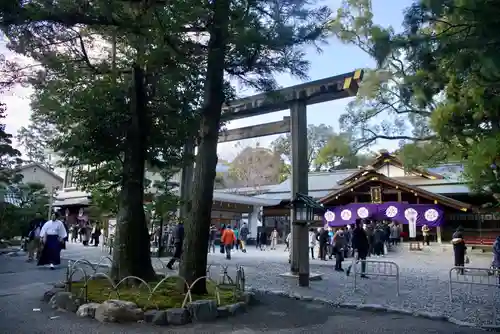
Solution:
(194, 261)
(132, 252)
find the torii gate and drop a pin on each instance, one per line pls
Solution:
(296, 98)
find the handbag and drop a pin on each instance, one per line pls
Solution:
(467, 260)
(222, 250)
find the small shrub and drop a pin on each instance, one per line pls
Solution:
(166, 296)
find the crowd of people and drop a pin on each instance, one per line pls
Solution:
(46, 238)
(364, 238)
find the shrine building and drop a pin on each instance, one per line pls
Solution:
(386, 190)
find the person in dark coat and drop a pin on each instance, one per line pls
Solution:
(63, 242)
(361, 245)
(34, 237)
(339, 243)
(323, 243)
(178, 241)
(243, 237)
(212, 235)
(97, 234)
(459, 248)
(378, 240)
(496, 256)
(263, 239)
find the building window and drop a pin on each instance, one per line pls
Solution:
(376, 194)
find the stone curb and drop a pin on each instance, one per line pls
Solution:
(375, 308)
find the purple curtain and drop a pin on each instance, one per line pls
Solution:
(427, 214)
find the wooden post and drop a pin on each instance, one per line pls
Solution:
(300, 171)
(438, 234)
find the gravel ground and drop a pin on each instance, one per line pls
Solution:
(424, 281)
(21, 285)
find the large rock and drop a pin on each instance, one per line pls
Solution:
(64, 300)
(60, 285)
(203, 310)
(178, 316)
(236, 308)
(156, 317)
(248, 298)
(114, 310)
(149, 315)
(223, 312)
(47, 296)
(87, 310)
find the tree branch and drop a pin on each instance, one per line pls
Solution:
(374, 136)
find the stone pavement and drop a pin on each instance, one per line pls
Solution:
(21, 311)
(423, 281)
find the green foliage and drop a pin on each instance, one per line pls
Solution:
(9, 156)
(140, 106)
(34, 139)
(416, 154)
(326, 150)
(317, 137)
(165, 297)
(164, 200)
(387, 106)
(119, 92)
(340, 153)
(452, 47)
(24, 202)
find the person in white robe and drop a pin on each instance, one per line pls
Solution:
(52, 236)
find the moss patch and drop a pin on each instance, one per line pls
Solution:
(165, 296)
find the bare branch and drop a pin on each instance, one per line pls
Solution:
(374, 136)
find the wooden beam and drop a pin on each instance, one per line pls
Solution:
(254, 131)
(319, 91)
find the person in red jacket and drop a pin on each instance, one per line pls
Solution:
(228, 239)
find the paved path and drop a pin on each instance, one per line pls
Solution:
(22, 284)
(424, 280)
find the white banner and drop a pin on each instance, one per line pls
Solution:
(411, 215)
(413, 228)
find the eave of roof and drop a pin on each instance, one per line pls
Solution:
(390, 159)
(374, 176)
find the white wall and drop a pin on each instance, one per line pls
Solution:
(35, 174)
(391, 171)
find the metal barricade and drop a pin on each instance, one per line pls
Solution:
(377, 268)
(486, 277)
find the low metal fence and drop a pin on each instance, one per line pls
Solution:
(376, 268)
(225, 283)
(476, 277)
